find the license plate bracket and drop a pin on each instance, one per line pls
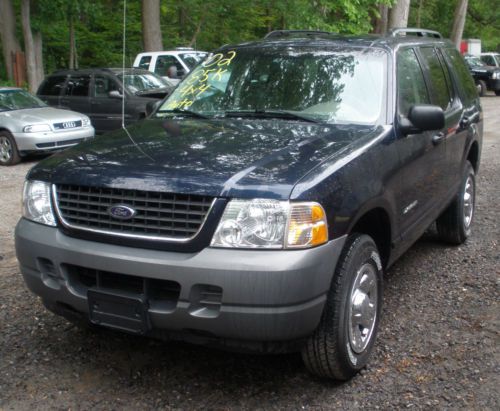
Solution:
(118, 311)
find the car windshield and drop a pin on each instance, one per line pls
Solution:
(137, 83)
(475, 62)
(192, 59)
(18, 100)
(340, 86)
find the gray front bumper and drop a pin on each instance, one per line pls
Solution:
(266, 295)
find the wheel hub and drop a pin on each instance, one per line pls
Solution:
(5, 149)
(468, 202)
(363, 308)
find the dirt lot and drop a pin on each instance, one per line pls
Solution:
(438, 346)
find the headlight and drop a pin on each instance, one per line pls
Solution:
(273, 224)
(496, 75)
(36, 203)
(85, 122)
(36, 128)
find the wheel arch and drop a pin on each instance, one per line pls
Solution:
(376, 222)
(473, 155)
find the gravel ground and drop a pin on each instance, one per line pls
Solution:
(437, 347)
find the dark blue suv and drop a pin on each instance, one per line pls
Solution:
(259, 205)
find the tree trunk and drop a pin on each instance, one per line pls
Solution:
(40, 73)
(73, 58)
(380, 26)
(10, 44)
(419, 13)
(459, 22)
(151, 30)
(197, 31)
(399, 14)
(29, 46)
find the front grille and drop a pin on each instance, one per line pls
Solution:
(67, 124)
(157, 215)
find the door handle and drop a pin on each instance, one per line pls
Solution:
(438, 138)
(465, 122)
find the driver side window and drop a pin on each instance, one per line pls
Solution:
(411, 84)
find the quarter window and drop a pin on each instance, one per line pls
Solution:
(52, 86)
(411, 84)
(463, 73)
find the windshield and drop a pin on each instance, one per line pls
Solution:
(18, 99)
(475, 62)
(137, 83)
(332, 86)
(192, 59)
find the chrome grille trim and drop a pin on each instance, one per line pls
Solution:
(110, 232)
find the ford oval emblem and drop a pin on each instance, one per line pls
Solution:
(121, 212)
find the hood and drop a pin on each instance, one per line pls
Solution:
(155, 92)
(45, 115)
(226, 157)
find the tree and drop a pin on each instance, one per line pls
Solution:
(29, 47)
(459, 22)
(10, 44)
(399, 14)
(151, 29)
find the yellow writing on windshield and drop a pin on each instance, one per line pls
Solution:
(197, 84)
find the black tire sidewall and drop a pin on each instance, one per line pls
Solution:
(366, 252)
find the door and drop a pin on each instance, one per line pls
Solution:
(106, 109)
(76, 94)
(422, 155)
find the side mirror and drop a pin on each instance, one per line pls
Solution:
(152, 106)
(422, 117)
(114, 94)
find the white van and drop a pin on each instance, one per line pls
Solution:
(171, 64)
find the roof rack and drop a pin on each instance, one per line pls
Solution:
(402, 31)
(294, 33)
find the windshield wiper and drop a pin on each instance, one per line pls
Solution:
(270, 114)
(185, 112)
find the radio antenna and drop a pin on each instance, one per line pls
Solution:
(124, 38)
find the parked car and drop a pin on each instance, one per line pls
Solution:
(27, 126)
(98, 93)
(260, 204)
(491, 59)
(485, 77)
(171, 64)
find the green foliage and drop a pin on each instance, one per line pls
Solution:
(482, 22)
(98, 25)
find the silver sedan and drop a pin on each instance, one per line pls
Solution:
(28, 125)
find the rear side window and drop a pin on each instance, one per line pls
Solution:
(144, 63)
(78, 86)
(411, 84)
(52, 86)
(439, 86)
(464, 77)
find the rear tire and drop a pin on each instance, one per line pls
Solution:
(9, 154)
(481, 88)
(454, 225)
(344, 339)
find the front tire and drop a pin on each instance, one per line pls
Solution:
(481, 88)
(454, 225)
(344, 339)
(9, 154)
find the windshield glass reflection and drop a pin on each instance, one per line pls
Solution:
(345, 86)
